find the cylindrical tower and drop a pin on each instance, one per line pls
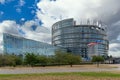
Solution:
(77, 38)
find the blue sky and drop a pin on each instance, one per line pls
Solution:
(16, 10)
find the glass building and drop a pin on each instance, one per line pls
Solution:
(86, 39)
(19, 45)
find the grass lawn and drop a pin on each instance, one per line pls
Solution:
(63, 76)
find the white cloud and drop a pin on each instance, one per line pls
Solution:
(40, 34)
(33, 12)
(18, 10)
(1, 43)
(77, 9)
(22, 19)
(21, 2)
(2, 1)
(1, 13)
(7, 27)
(43, 37)
(114, 49)
(5, 1)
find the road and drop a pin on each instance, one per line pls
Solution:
(54, 69)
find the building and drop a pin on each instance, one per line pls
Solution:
(86, 39)
(13, 44)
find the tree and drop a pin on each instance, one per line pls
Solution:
(43, 60)
(51, 59)
(1, 60)
(59, 57)
(97, 59)
(66, 58)
(72, 59)
(31, 59)
(18, 60)
(9, 60)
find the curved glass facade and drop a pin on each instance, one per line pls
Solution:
(76, 38)
(18, 45)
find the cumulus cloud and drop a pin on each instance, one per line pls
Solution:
(5, 1)
(2, 1)
(18, 10)
(39, 34)
(115, 49)
(7, 27)
(114, 37)
(106, 10)
(50, 11)
(21, 2)
(114, 31)
(1, 13)
(1, 43)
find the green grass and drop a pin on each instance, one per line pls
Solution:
(89, 74)
(92, 74)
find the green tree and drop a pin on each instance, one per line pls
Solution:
(43, 60)
(97, 59)
(73, 59)
(18, 60)
(31, 59)
(1, 60)
(66, 58)
(59, 57)
(51, 60)
(7, 60)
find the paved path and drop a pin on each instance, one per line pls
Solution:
(55, 69)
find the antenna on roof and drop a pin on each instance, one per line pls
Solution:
(88, 21)
(81, 22)
(60, 17)
(94, 22)
(97, 23)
